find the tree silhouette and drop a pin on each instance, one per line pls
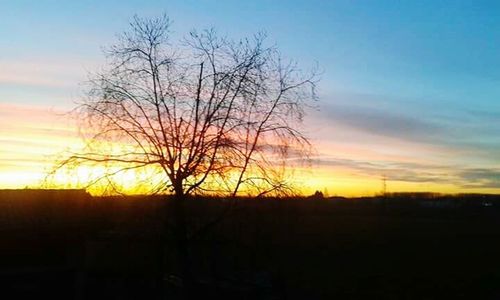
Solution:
(204, 115)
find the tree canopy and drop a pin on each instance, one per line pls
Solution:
(203, 114)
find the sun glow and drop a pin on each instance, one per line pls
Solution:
(30, 148)
(106, 179)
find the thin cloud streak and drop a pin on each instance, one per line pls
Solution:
(42, 74)
(375, 121)
(462, 177)
(385, 123)
(30, 137)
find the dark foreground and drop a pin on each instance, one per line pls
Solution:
(69, 245)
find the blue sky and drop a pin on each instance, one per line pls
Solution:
(412, 81)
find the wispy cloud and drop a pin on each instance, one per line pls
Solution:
(480, 178)
(393, 170)
(443, 130)
(385, 123)
(462, 177)
(50, 74)
(30, 135)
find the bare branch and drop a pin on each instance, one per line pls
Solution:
(217, 116)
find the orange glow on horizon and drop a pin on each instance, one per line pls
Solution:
(32, 137)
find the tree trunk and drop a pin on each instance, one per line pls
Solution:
(182, 244)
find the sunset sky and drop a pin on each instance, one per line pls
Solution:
(410, 90)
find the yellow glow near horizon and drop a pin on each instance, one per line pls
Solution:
(32, 137)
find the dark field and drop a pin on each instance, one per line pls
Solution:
(408, 246)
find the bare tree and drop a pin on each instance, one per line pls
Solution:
(206, 115)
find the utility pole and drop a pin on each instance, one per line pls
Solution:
(384, 185)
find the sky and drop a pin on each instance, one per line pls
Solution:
(409, 91)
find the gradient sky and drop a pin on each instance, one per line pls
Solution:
(410, 89)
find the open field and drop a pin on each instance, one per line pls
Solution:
(409, 246)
